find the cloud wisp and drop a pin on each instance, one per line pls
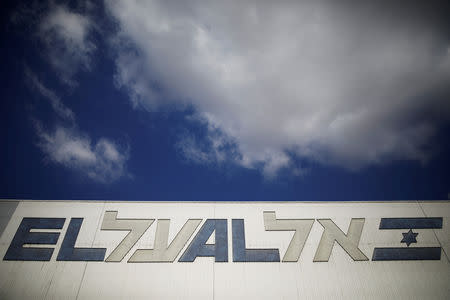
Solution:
(103, 161)
(65, 36)
(57, 105)
(341, 84)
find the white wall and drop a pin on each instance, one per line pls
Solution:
(339, 278)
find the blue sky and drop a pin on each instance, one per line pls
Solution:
(225, 101)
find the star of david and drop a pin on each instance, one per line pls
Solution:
(409, 237)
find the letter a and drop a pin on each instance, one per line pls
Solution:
(199, 246)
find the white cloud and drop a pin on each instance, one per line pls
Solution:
(340, 84)
(65, 35)
(216, 149)
(101, 161)
(58, 106)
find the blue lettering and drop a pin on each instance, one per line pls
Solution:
(198, 246)
(241, 254)
(68, 252)
(16, 251)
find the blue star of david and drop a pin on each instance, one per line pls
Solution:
(409, 237)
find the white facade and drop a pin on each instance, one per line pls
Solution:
(340, 277)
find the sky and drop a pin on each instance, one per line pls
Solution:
(225, 100)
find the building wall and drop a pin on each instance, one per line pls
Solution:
(341, 277)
